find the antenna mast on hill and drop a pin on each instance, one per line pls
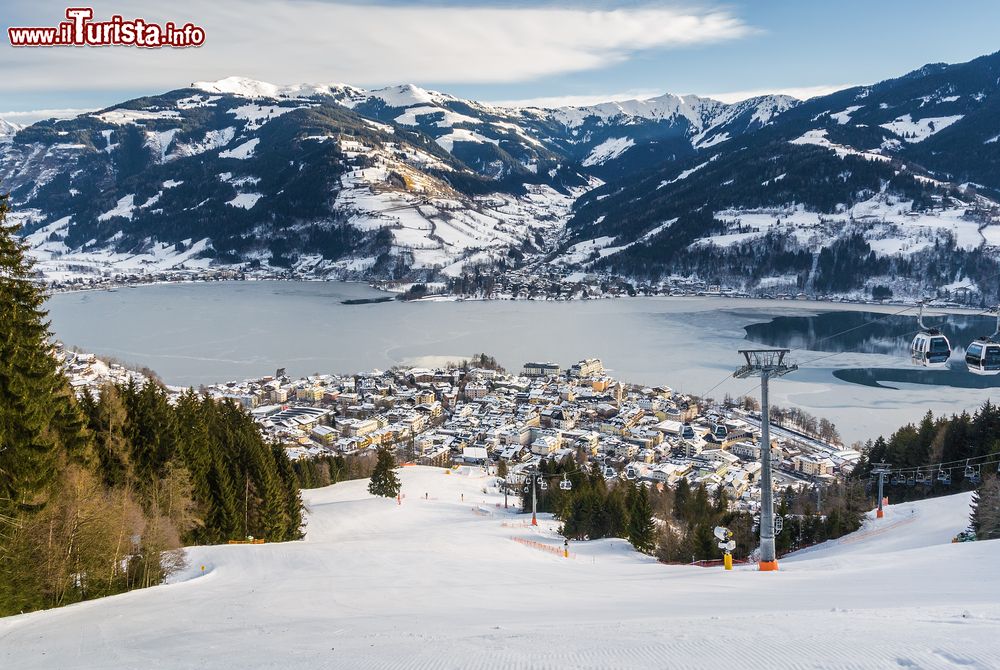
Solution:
(765, 363)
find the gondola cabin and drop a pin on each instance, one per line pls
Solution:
(983, 357)
(930, 349)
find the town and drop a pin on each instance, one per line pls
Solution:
(475, 413)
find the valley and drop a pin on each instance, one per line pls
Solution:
(851, 195)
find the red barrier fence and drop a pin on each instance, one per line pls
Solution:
(554, 550)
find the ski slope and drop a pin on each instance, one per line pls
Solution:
(439, 583)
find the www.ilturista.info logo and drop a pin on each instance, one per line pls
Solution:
(80, 31)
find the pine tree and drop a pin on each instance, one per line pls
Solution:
(986, 509)
(42, 428)
(641, 529)
(384, 481)
(34, 396)
(682, 495)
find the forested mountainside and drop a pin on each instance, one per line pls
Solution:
(97, 494)
(870, 187)
(844, 193)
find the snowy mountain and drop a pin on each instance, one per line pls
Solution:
(330, 179)
(892, 187)
(868, 187)
(480, 591)
(7, 130)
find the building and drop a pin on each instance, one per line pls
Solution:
(541, 370)
(358, 427)
(309, 393)
(475, 455)
(588, 367)
(475, 391)
(812, 466)
(325, 434)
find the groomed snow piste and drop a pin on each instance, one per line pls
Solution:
(439, 583)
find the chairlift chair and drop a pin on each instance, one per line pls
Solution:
(911, 480)
(972, 473)
(897, 479)
(543, 485)
(944, 477)
(930, 348)
(983, 355)
(565, 484)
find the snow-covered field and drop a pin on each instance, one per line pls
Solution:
(438, 583)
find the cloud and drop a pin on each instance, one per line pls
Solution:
(315, 41)
(578, 100)
(26, 118)
(800, 92)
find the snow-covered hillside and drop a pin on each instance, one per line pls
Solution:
(410, 184)
(439, 583)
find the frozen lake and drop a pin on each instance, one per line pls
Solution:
(211, 332)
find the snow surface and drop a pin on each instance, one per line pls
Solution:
(608, 150)
(921, 129)
(120, 117)
(251, 88)
(447, 142)
(685, 173)
(257, 115)
(888, 224)
(124, 208)
(245, 200)
(241, 152)
(214, 139)
(439, 583)
(818, 137)
(7, 131)
(411, 117)
(157, 141)
(844, 116)
(434, 224)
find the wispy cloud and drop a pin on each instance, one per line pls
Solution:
(315, 41)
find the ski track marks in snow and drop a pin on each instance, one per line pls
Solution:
(430, 584)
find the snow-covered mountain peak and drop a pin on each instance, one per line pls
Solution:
(8, 130)
(702, 113)
(408, 95)
(253, 88)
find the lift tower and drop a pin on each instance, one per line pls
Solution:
(765, 363)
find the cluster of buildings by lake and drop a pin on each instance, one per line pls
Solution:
(529, 283)
(482, 415)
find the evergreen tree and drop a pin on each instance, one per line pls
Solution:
(96, 495)
(986, 509)
(682, 494)
(384, 481)
(40, 423)
(42, 429)
(641, 528)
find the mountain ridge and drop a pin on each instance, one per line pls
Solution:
(406, 183)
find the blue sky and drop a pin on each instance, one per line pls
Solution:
(506, 51)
